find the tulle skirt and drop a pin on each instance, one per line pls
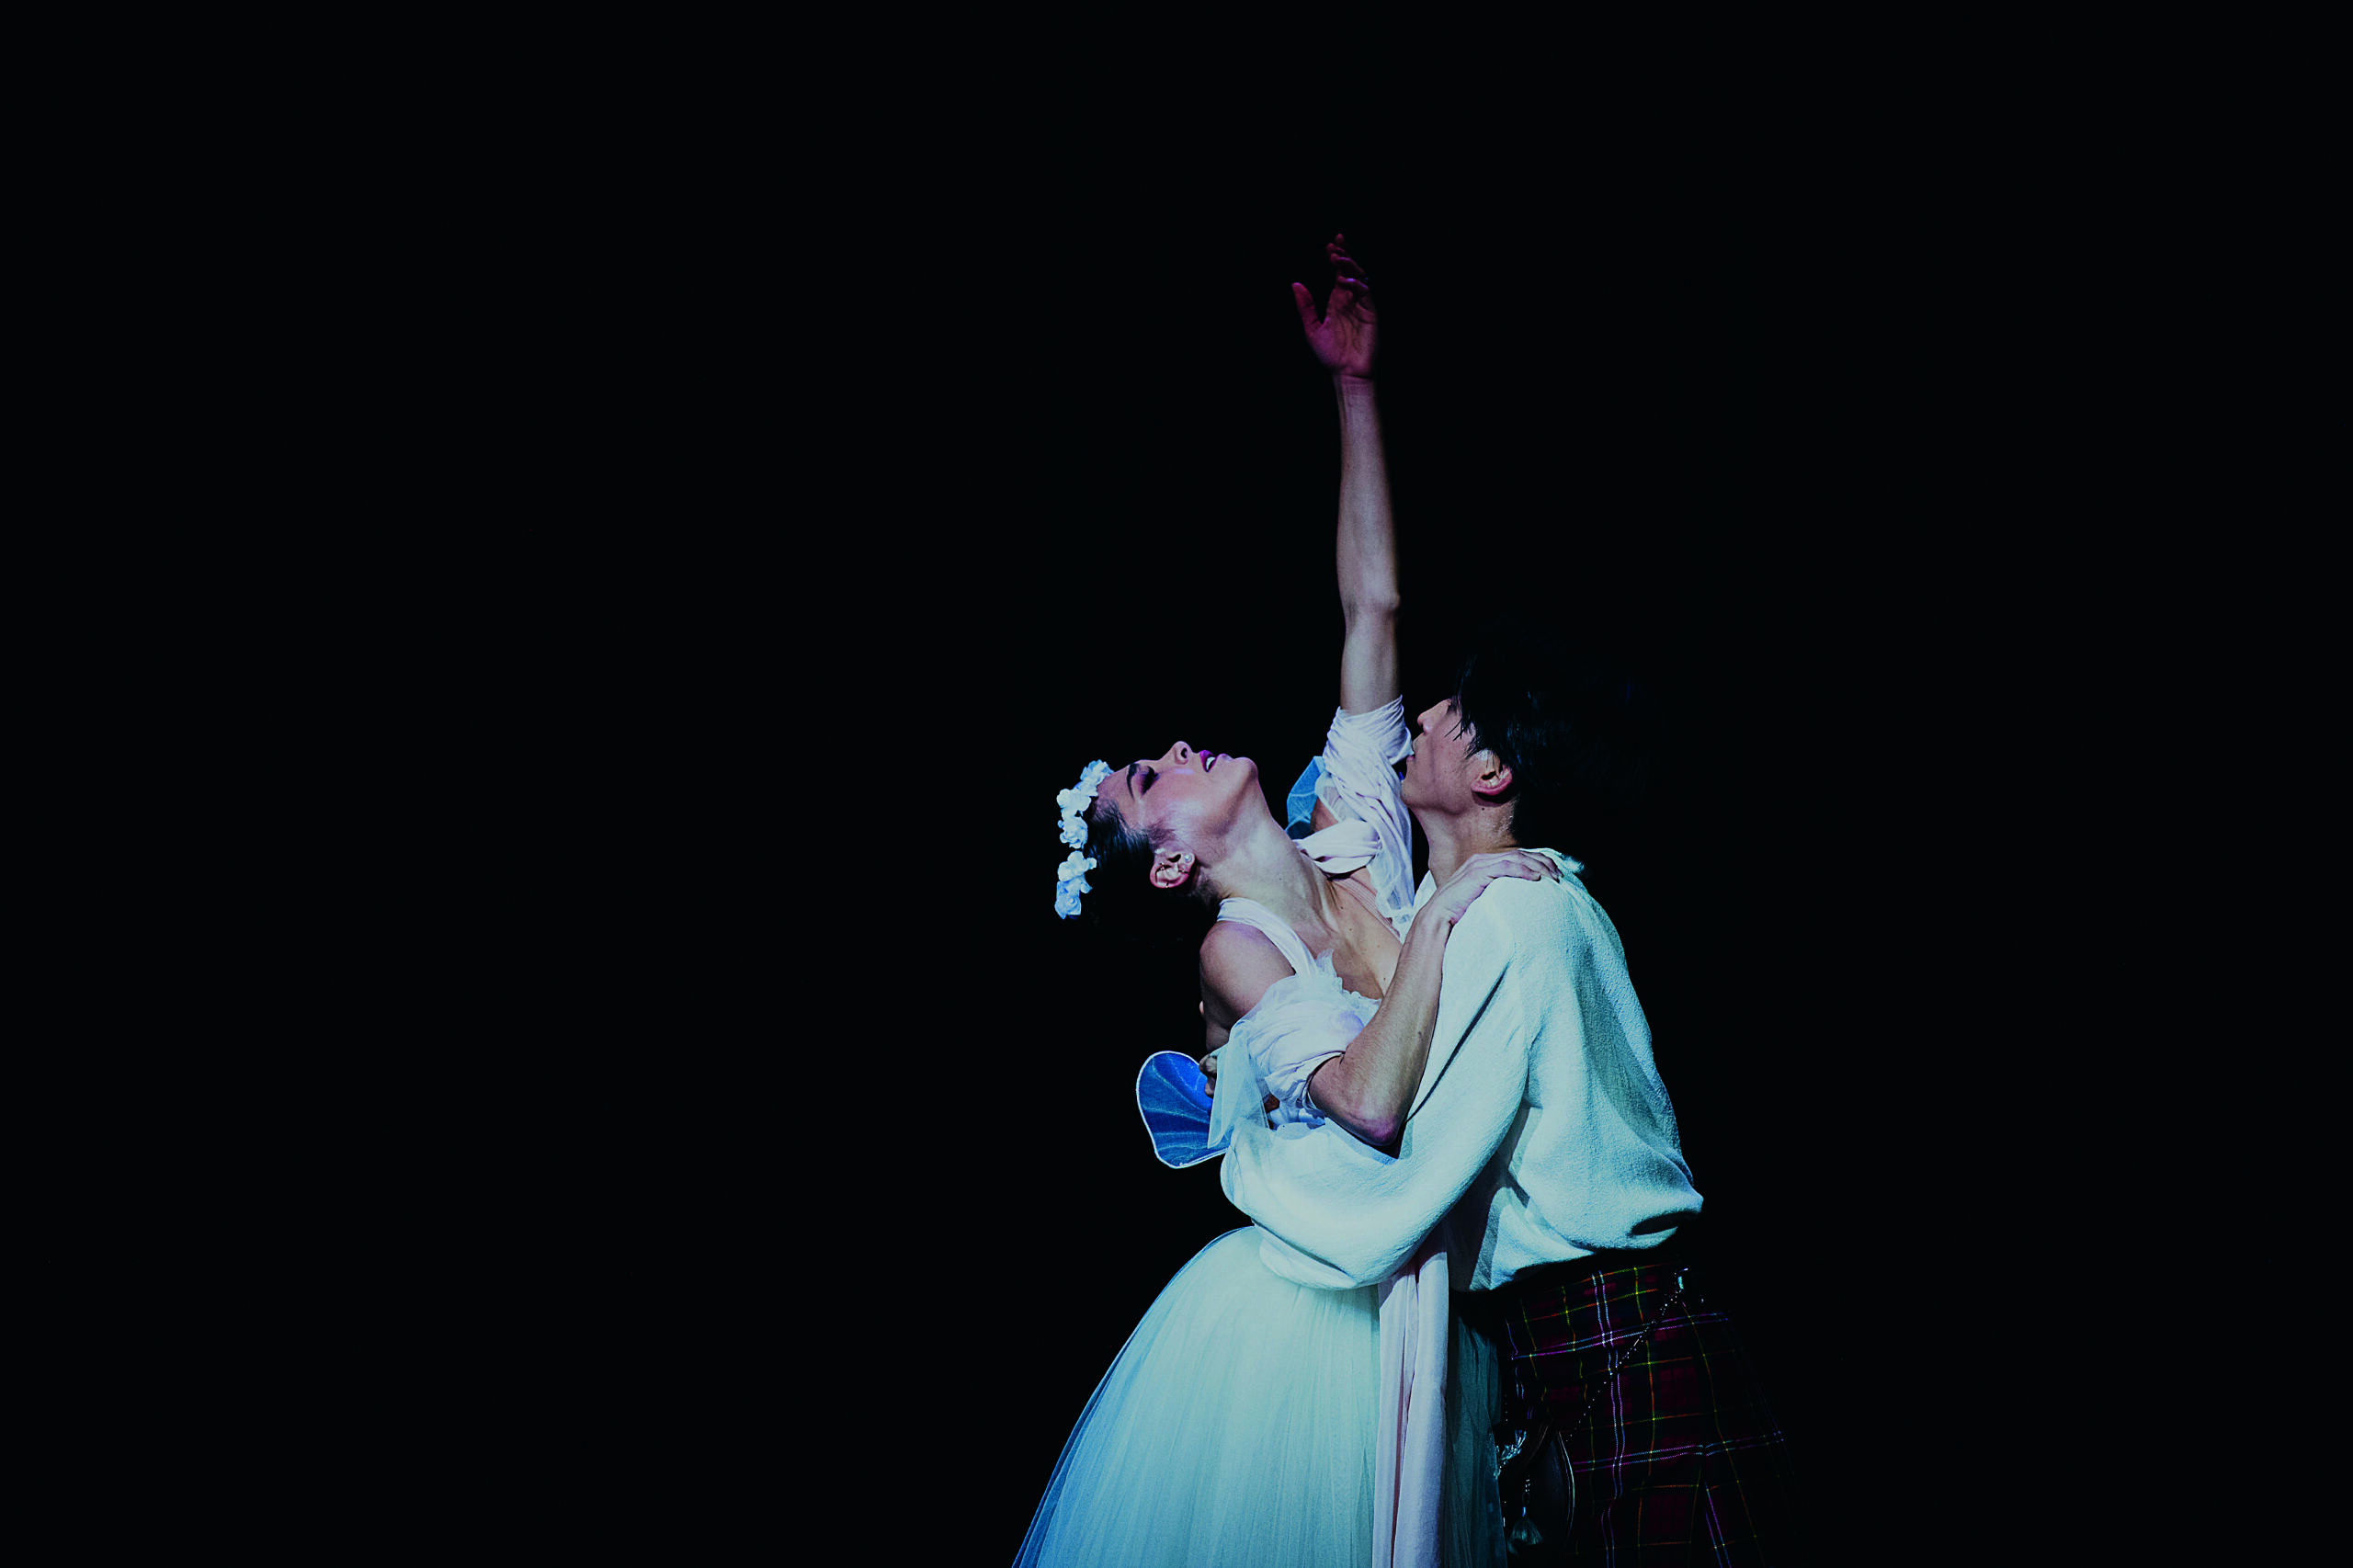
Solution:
(1236, 1428)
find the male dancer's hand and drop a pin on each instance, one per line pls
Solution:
(1344, 340)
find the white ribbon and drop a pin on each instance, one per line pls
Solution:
(1410, 1444)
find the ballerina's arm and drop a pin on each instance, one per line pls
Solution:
(1343, 340)
(1237, 965)
(1369, 1088)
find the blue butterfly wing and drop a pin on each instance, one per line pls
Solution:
(1174, 1096)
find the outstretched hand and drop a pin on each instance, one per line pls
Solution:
(1345, 338)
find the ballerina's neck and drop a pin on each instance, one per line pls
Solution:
(1283, 879)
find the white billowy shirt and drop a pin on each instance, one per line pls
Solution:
(1541, 1131)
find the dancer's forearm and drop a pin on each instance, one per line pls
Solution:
(1367, 553)
(1345, 338)
(1369, 1088)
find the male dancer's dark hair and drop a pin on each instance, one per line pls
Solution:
(1575, 728)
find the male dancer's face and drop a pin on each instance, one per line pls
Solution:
(1440, 774)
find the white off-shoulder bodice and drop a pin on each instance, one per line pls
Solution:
(1303, 1020)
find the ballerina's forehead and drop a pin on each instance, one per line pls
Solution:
(1117, 790)
(1130, 791)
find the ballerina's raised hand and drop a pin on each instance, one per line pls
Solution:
(1345, 337)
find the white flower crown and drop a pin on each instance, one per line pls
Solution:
(1070, 876)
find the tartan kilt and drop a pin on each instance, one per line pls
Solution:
(1681, 1459)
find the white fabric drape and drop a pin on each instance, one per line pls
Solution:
(1303, 1021)
(1409, 1447)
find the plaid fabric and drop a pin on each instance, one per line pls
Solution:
(1680, 1459)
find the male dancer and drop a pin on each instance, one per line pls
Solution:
(1538, 1149)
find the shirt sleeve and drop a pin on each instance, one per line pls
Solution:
(1346, 1214)
(1359, 784)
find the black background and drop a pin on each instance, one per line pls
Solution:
(1610, 399)
(1029, 466)
(773, 511)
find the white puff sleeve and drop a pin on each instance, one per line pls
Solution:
(1301, 1022)
(1358, 782)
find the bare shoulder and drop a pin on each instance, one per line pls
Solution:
(1237, 965)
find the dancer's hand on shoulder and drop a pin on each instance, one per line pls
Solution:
(1479, 873)
(1344, 340)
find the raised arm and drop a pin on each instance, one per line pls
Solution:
(1344, 339)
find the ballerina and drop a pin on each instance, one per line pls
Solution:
(1250, 1419)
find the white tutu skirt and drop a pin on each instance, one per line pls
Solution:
(1236, 1428)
